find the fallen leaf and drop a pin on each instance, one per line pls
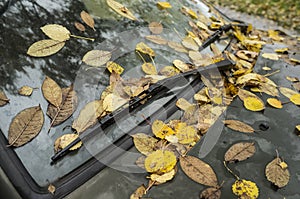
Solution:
(254, 104)
(180, 65)
(64, 140)
(3, 99)
(240, 151)
(45, 48)
(120, 9)
(216, 50)
(274, 102)
(287, 92)
(149, 68)
(245, 189)
(172, 139)
(139, 192)
(189, 43)
(160, 179)
(52, 91)
(88, 116)
(25, 90)
(79, 26)
(189, 12)
(144, 143)
(56, 32)
(25, 126)
(65, 109)
(296, 86)
(276, 174)
(296, 60)
(183, 104)
(161, 130)
(114, 67)
(271, 56)
(177, 46)
(112, 102)
(144, 48)
(169, 71)
(156, 27)
(239, 126)
(88, 20)
(140, 162)
(266, 68)
(96, 58)
(156, 39)
(292, 79)
(199, 171)
(273, 34)
(164, 5)
(160, 162)
(186, 134)
(51, 189)
(281, 50)
(210, 193)
(298, 127)
(295, 99)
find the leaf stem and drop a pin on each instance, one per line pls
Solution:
(273, 73)
(230, 171)
(80, 37)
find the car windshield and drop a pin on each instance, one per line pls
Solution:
(20, 27)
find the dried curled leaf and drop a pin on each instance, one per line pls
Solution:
(274, 102)
(156, 39)
(138, 193)
(56, 32)
(240, 151)
(254, 104)
(96, 58)
(144, 48)
(66, 108)
(88, 116)
(52, 91)
(3, 99)
(211, 193)
(64, 140)
(160, 179)
(199, 171)
(25, 90)
(51, 189)
(156, 27)
(88, 20)
(295, 99)
(161, 130)
(79, 26)
(149, 69)
(45, 48)
(160, 162)
(245, 189)
(277, 174)
(25, 126)
(120, 9)
(238, 126)
(144, 143)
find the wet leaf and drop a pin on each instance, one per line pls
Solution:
(114, 67)
(138, 193)
(295, 99)
(112, 102)
(161, 130)
(64, 140)
(276, 174)
(3, 99)
(88, 20)
(52, 91)
(186, 134)
(51, 189)
(45, 48)
(66, 108)
(240, 151)
(88, 116)
(189, 43)
(271, 56)
(177, 46)
(245, 188)
(180, 65)
(160, 179)
(156, 39)
(144, 143)
(25, 90)
(160, 162)
(156, 27)
(79, 26)
(254, 104)
(274, 102)
(144, 48)
(56, 32)
(120, 9)
(287, 92)
(25, 126)
(211, 193)
(164, 5)
(96, 58)
(199, 171)
(149, 68)
(239, 126)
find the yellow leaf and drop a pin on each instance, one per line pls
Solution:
(186, 134)
(88, 20)
(183, 67)
(112, 102)
(143, 48)
(274, 102)
(283, 165)
(25, 90)
(149, 69)
(144, 143)
(189, 12)
(298, 127)
(183, 104)
(164, 177)
(266, 68)
(161, 130)
(164, 5)
(254, 104)
(292, 79)
(120, 9)
(295, 60)
(56, 32)
(271, 56)
(63, 141)
(96, 58)
(160, 162)
(274, 35)
(295, 99)
(45, 48)
(52, 91)
(114, 67)
(281, 50)
(245, 187)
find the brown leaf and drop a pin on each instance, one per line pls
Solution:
(52, 91)
(25, 126)
(156, 27)
(96, 57)
(3, 99)
(239, 126)
(88, 20)
(140, 162)
(144, 143)
(199, 171)
(88, 116)
(276, 174)
(45, 48)
(139, 192)
(156, 39)
(25, 90)
(120, 9)
(240, 151)
(66, 108)
(210, 193)
(79, 26)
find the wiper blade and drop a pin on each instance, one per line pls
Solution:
(141, 99)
